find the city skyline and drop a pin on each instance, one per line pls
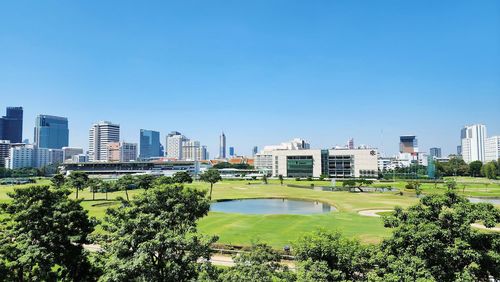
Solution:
(324, 72)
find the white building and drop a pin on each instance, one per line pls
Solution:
(473, 143)
(295, 144)
(81, 158)
(174, 145)
(492, 149)
(100, 135)
(264, 162)
(20, 156)
(69, 152)
(4, 151)
(192, 149)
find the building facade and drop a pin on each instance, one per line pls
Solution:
(149, 142)
(69, 152)
(20, 156)
(473, 143)
(121, 152)
(11, 125)
(435, 152)
(174, 145)
(408, 144)
(51, 132)
(100, 135)
(492, 149)
(4, 151)
(222, 146)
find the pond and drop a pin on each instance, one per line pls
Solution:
(271, 206)
(495, 201)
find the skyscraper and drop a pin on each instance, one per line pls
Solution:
(174, 145)
(231, 151)
(11, 125)
(350, 144)
(51, 132)
(100, 135)
(255, 150)
(4, 151)
(435, 152)
(408, 144)
(473, 139)
(222, 146)
(149, 144)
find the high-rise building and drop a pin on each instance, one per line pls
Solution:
(150, 146)
(435, 152)
(174, 145)
(11, 125)
(51, 132)
(459, 150)
(408, 144)
(100, 135)
(231, 151)
(69, 152)
(122, 152)
(350, 144)
(20, 156)
(473, 139)
(222, 146)
(255, 150)
(492, 149)
(4, 151)
(190, 150)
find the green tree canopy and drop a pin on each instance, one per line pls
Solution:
(491, 170)
(78, 180)
(182, 177)
(475, 168)
(58, 180)
(211, 176)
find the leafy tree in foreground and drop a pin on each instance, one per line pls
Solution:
(261, 264)
(78, 180)
(475, 168)
(153, 236)
(328, 256)
(126, 183)
(58, 180)
(41, 238)
(211, 176)
(182, 177)
(434, 241)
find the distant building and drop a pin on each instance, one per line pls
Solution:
(492, 149)
(255, 150)
(408, 144)
(100, 135)
(295, 144)
(231, 151)
(222, 146)
(150, 146)
(350, 144)
(459, 150)
(11, 125)
(51, 132)
(20, 156)
(435, 152)
(4, 151)
(121, 152)
(473, 143)
(80, 158)
(69, 152)
(174, 145)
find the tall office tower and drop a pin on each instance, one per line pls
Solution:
(350, 144)
(435, 152)
(231, 151)
(174, 145)
(51, 132)
(203, 153)
(122, 152)
(222, 146)
(20, 156)
(149, 144)
(473, 139)
(459, 150)
(190, 150)
(11, 125)
(100, 135)
(492, 149)
(69, 152)
(255, 150)
(4, 151)
(408, 144)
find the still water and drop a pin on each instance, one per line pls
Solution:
(271, 206)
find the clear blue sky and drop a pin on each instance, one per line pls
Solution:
(262, 71)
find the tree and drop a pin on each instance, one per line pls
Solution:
(182, 177)
(58, 180)
(337, 257)
(434, 240)
(451, 184)
(490, 170)
(211, 176)
(475, 168)
(280, 177)
(41, 238)
(162, 180)
(78, 180)
(145, 181)
(95, 185)
(264, 178)
(260, 264)
(125, 183)
(154, 236)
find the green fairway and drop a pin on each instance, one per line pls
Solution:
(281, 230)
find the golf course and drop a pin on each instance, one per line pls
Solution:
(280, 230)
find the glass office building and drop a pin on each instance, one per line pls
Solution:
(51, 132)
(150, 146)
(11, 125)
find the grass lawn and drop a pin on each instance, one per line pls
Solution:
(281, 230)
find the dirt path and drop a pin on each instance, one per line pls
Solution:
(372, 213)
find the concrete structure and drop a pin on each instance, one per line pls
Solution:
(51, 132)
(222, 146)
(4, 151)
(263, 162)
(121, 152)
(492, 149)
(20, 156)
(69, 152)
(295, 144)
(473, 143)
(357, 163)
(80, 158)
(435, 152)
(100, 135)
(191, 150)
(174, 145)
(56, 156)
(150, 146)
(11, 125)
(408, 144)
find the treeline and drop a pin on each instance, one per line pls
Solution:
(457, 167)
(222, 165)
(154, 237)
(28, 171)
